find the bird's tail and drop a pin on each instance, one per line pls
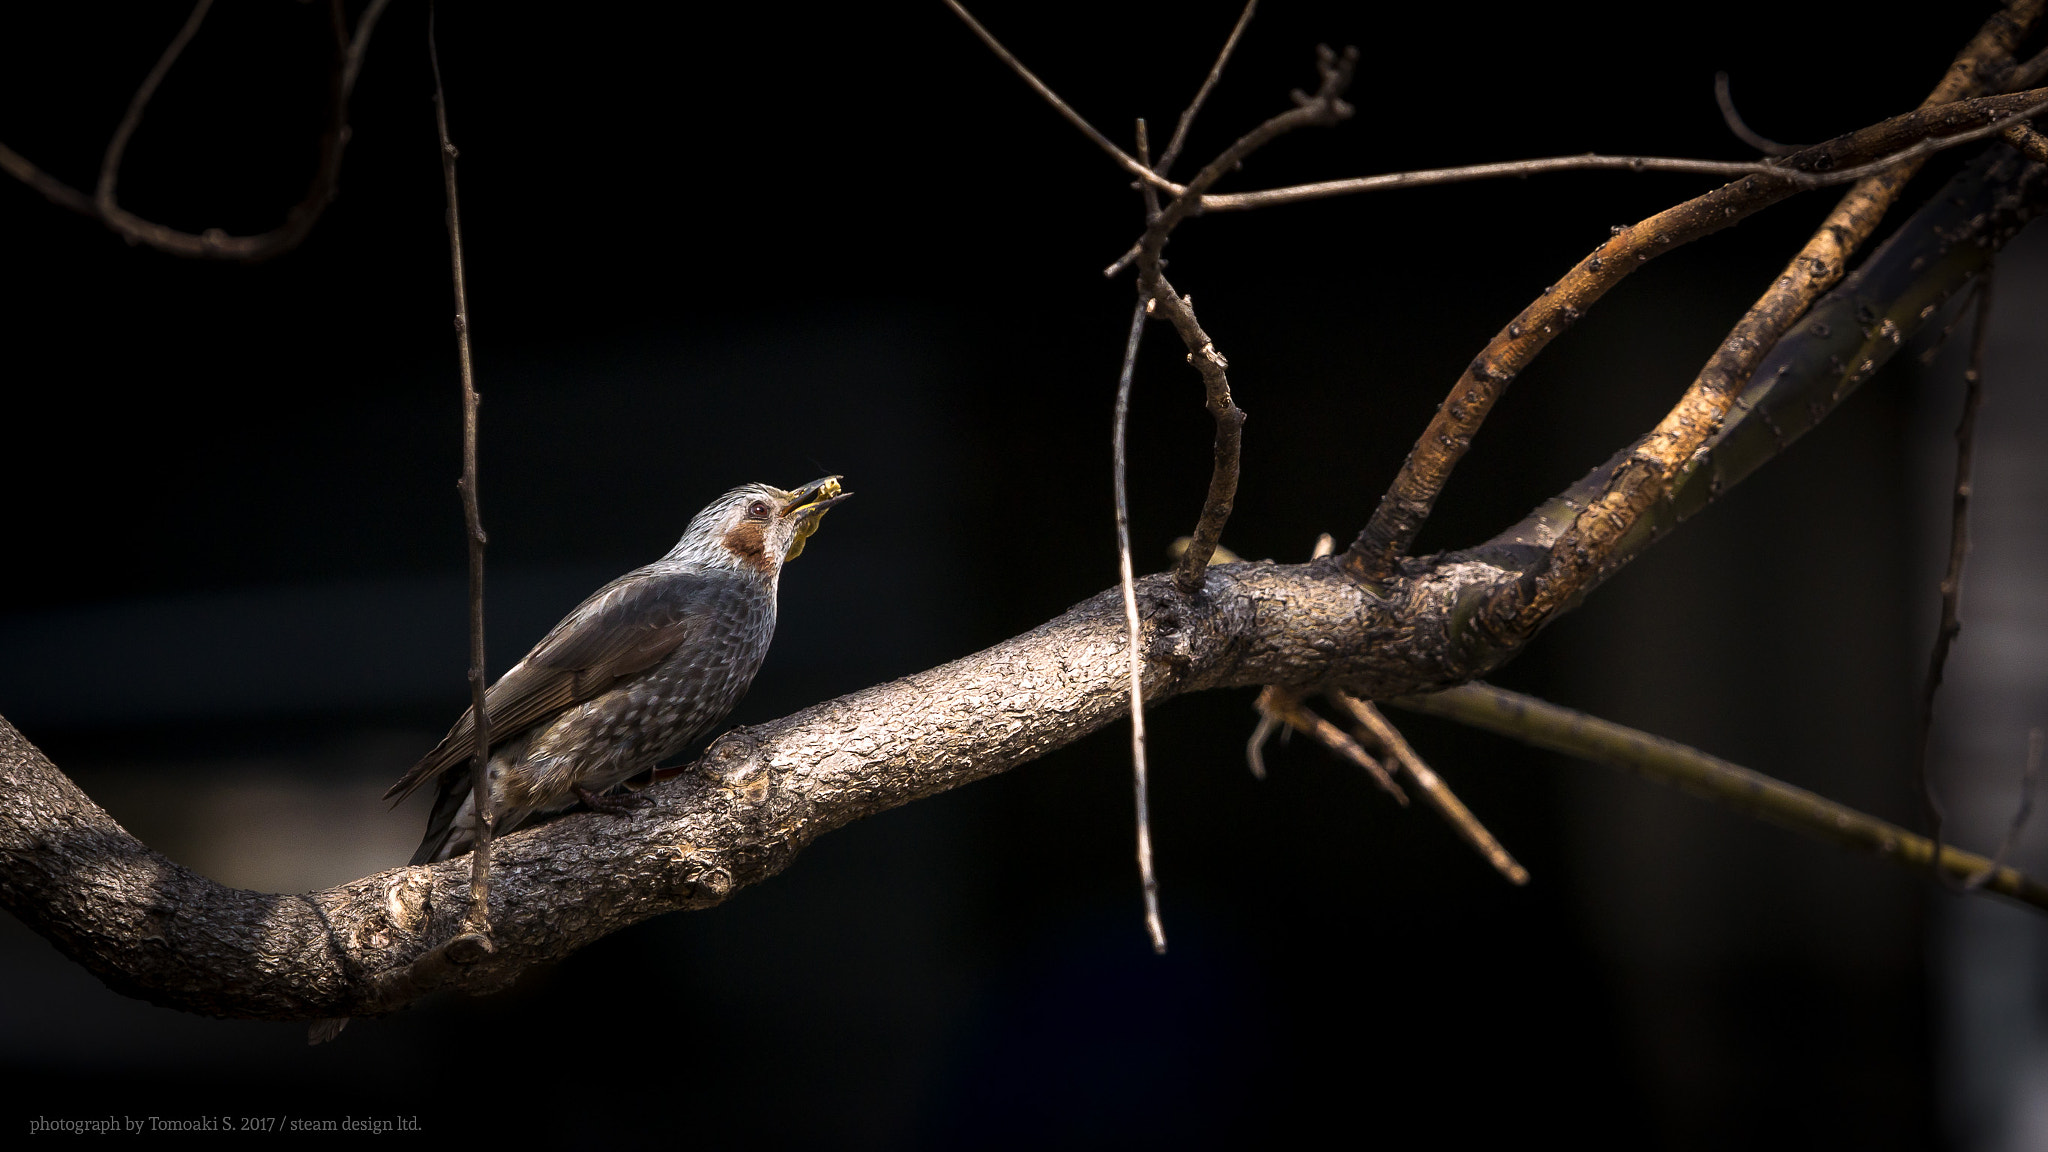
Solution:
(440, 840)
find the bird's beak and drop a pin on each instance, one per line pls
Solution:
(818, 494)
(808, 505)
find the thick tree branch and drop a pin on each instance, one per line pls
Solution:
(1842, 342)
(741, 813)
(159, 931)
(1595, 537)
(2030, 143)
(1443, 443)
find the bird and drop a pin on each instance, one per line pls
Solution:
(649, 663)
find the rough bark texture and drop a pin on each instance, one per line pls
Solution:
(162, 932)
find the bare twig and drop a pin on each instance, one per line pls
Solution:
(213, 244)
(1798, 179)
(1822, 174)
(1327, 106)
(1287, 706)
(1586, 550)
(1187, 118)
(365, 24)
(1763, 144)
(1432, 787)
(2028, 777)
(1146, 192)
(1547, 725)
(1255, 747)
(1134, 638)
(1823, 170)
(1958, 550)
(478, 921)
(1222, 494)
(1117, 154)
(110, 162)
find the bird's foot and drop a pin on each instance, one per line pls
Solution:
(613, 805)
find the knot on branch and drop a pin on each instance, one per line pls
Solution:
(734, 763)
(1164, 632)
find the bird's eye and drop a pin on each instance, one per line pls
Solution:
(758, 510)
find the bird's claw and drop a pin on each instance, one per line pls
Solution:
(613, 805)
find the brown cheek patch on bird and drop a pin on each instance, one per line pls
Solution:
(747, 541)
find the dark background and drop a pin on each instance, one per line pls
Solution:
(763, 242)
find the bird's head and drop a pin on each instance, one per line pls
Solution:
(758, 528)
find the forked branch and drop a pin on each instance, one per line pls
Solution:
(1581, 556)
(1325, 107)
(1408, 501)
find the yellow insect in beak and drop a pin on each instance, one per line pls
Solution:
(809, 505)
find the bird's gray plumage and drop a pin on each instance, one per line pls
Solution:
(647, 664)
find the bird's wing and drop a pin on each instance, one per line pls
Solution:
(627, 626)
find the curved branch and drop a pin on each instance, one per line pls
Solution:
(213, 244)
(1740, 128)
(161, 932)
(156, 930)
(1839, 345)
(1443, 443)
(1596, 537)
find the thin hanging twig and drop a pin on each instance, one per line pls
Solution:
(1153, 925)
(1763, 144)
(1286, 706)
(2028, 777)
(1433, 789)
(1958, 549)
(477, 922)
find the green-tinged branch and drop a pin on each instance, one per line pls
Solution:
(1546, 725)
